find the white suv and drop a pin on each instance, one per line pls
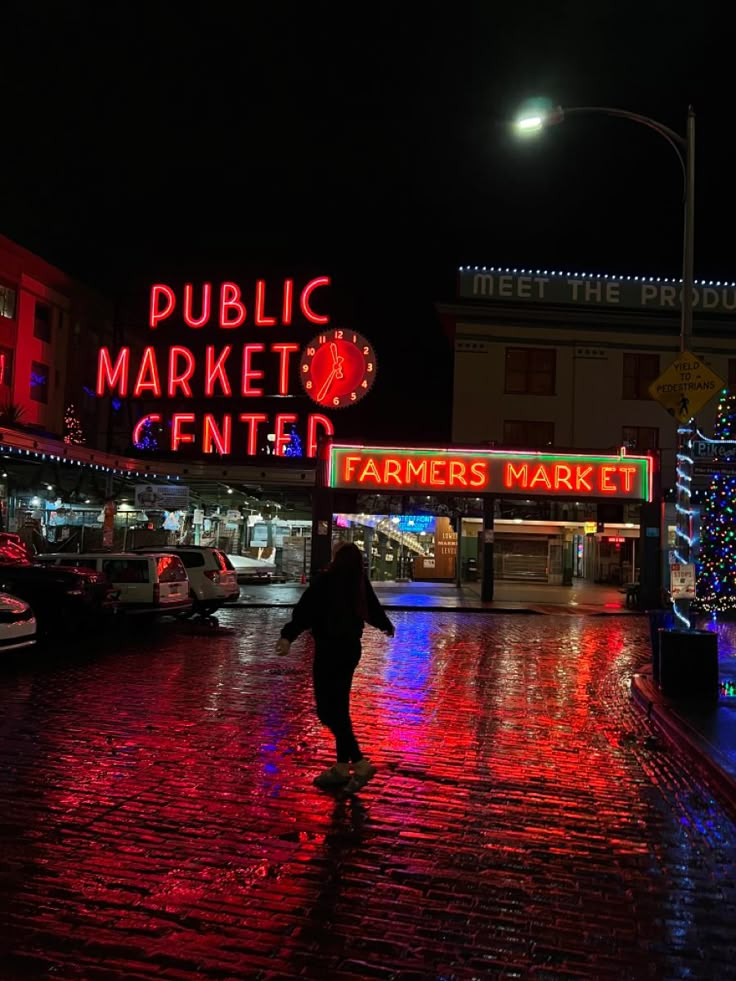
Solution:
(212, 578)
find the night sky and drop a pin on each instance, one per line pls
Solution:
(363, 141)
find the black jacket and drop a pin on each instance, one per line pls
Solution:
(326, 610)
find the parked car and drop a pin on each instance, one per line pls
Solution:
(212, 578)
(17, 624)
(153, 583)
(63, 600)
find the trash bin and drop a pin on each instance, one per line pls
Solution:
(688, 664)
(658, 620)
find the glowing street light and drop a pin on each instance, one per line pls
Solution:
(536, 116)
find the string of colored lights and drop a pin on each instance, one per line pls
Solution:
(717, 565)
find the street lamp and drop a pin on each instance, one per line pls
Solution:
(534, 120)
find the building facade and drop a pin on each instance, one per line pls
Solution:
(547, 360)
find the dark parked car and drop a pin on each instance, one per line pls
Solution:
(63, 599)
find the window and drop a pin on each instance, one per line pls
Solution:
(7, 302)
(6, 366)
(39, 382)
(42, 322)
(640, 437)
(530, 371)
(640, 370)
(126, 570)
(523, 434)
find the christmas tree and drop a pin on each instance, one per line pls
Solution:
(73, 432)
(716, 589)
(147, 439)
(294, 446)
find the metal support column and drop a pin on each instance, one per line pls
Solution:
(487, 583)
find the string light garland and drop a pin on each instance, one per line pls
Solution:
(505, 270)
(717, 567)
(73, 432)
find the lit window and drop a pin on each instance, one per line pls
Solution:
(6, 366)
(7, 302)
(39, 382)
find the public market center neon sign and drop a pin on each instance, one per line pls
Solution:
(337, 366)
(506, 473)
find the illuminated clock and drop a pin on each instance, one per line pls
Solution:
(338, 367)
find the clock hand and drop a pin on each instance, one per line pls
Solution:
(326, 387)
(337, 361)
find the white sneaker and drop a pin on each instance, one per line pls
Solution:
(363, 771)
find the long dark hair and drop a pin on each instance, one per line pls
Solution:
(346, 573)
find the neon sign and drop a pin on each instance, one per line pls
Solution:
(336, 368)
(617, 476)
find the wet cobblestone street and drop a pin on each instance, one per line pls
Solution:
(158, 818)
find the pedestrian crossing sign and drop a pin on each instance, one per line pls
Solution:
(685, 387)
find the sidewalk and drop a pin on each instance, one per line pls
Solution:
(509, 597)
(708, 732)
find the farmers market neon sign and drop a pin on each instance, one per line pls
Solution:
(508, 473)
(256, 369)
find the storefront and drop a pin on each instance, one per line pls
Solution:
(443, 514)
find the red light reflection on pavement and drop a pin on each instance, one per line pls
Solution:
(160, 817)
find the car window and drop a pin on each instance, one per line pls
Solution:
(170, 569)
(222, 560)
(192, 560)
(126, 570)
(78, 563)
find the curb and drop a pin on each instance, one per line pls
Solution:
(683, 735)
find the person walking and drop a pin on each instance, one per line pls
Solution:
(336, 606)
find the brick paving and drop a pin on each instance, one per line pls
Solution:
(158, 820)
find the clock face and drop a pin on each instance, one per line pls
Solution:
(338, 367)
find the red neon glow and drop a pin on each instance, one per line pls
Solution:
(141, 424)
(160, 311)
(221, 439)
(616, 538)
(232, 309)
(259, 317)
(337, 368)
(627, 476)
(179, 379)
(288, 302)
(253, 420)
(251, 374)
(317, 422)
(178, 420)
(113, 376)
(148, 380)
(206, 307)
(282, 438)
(311, 286)
(215, 370)
(488, 470)
(2, 369)
(284, 351)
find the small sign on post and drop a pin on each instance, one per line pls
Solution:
(682, 580)
(685, 387)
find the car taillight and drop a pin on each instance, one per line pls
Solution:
(213, 574)
(156, 594)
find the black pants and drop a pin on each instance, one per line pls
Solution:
(335, 662)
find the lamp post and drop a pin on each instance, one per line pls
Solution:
(535, 120)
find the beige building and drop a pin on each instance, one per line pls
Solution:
(563, 360)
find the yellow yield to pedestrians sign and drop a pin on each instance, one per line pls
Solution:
(685, 387)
